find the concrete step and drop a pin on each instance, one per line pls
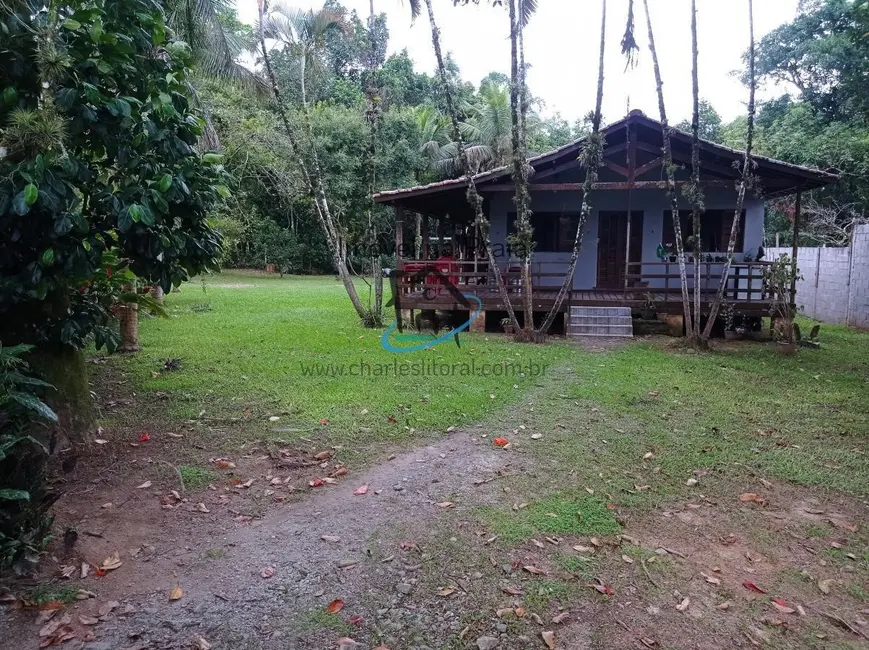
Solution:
(621, 331)
(601, 320)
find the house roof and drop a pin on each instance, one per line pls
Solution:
(777, 178)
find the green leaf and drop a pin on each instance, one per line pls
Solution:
(34, 404)
(48, 257)
(71, 24)
(31, 193)
(14, 495)
(10, 95)
(135, 211)
(223, 190)
(165, 182)
(19, 205)
(147, 217)
(212, 158)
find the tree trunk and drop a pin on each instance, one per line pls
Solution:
(592, 159)
(473, 196)
(524, 234)
(670, 168)
(313, 179)
(128, 320)
(743, 182)
(696, 191)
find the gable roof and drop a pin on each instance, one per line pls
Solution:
(777, 178)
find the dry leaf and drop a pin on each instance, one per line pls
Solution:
(627, 559)
(201, 507)
(446, 591)
(537, 543)
(335, 606)
(331, 539)
(267, 572)
(176, 593)
(144, 485)
(648, 455)
(533, 570)
(112, 562)
(691, 482)
(781, 606)
(362, 489)
(549, 639)
(511, 591)
(595, 542)
(345, 643)
(66, 571)
(107, 608)
(88, 620)
(684, 604)
(601, 587)
(723, 606)
(199, 643)
(341, 471)
(445, 504)
(751, 497)
(560, 618)
(753, 587)
(825, 585)
(85, 570)
(583, 549)
(711, 579)
(519, 611)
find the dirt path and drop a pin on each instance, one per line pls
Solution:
(218, 563)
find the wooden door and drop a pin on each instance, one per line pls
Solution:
(612, 234)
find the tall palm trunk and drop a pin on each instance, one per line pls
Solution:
(592, 159)
(373, 117)
(313, 180)
(524, 237)
(671, 175)
(474, 198)
(696, 192)
(128, 320)
(743, 182)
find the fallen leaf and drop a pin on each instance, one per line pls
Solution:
(201, 507)
(751, 497)
(355, 620)
(723, 606)
(331, 539)
(324, 422)
(446, 591)
(537, 543)
(549, 639)
(825, 585)
(362, 489)
(244, 519)
(627, 559)
(583, 549)
(684, 604)
(316, 483)
(222, 463)
(691, 482)
(753, 587)
(560, 618)
(445, 504)
(200, 643)
(144, 485)
(341, 471)
(88, 620)
(519, 611)
(267, 572)
(144, 437)
(511, 591)
(712, 580)
(600, 587)
(112, 562)
(781, 606)
(107, 608)
(533, 570)
(176, 593)
(335, 606)
(346, 642)
(648, 455)
(501, 442)
(323, 455)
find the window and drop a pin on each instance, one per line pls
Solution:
(554, 232)
(715, 228)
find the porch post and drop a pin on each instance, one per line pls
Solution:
(425, 228)
(632, 172)
(795, 248)
(399, 235)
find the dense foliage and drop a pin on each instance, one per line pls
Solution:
(98, 159)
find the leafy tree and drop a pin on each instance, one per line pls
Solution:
(709, 121)
(100, 160)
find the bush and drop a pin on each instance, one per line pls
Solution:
(24, 503)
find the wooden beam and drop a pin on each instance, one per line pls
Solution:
(795, 247)
(618, 169)
(399, 234)
(649, 166)
(572, 164)
(620, 185)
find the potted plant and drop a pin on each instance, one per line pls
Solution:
(650, 309)
(507, 325)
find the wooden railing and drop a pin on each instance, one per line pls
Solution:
(745, 280)
(435, 275)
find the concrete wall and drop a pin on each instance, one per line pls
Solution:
(653, 204)
(835, 281)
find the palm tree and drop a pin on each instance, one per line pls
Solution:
(481, 223)
(592, 159)
(670, 169)
(744, 180)
(695, 193)
(306, 157)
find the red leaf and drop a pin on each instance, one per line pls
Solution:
(392, 419)
(612, 506)
(355, 620)
(753, 587)
(501, 442)
(335, 606)
(316, 483)
(324, 422)
(602, 588)
(145, 437)
(362, 489)
(780, 601)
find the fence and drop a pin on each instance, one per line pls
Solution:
(835, 281)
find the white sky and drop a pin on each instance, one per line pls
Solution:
(562, 41)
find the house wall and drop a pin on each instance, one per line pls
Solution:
(835, 281)
(653, 204)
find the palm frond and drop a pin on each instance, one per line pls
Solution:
(527, 8)
(630, 47)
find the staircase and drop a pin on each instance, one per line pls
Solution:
(600, 322)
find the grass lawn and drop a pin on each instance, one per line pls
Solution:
(256, 344)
